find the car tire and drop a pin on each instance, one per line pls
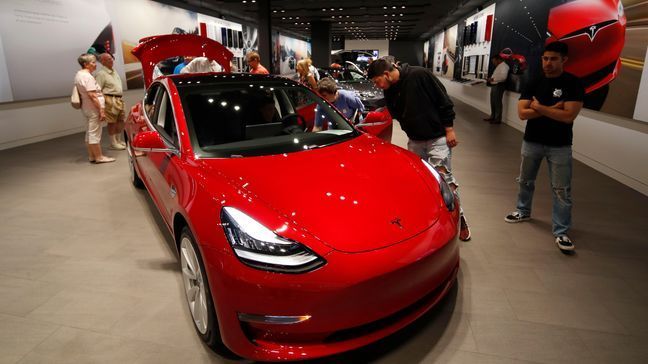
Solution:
(134, 178)
(198, 293)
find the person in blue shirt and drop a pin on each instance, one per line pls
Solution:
(347, 102)
(181, 65)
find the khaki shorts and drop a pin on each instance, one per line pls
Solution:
(93, 133)
(114, 109)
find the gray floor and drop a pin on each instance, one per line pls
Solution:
(87, 272)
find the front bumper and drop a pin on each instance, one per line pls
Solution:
(354, 300)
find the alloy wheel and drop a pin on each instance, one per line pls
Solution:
(194, 284)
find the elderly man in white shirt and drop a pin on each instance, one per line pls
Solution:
(497, 82)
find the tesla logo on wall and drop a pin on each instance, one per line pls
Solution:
(397, 222)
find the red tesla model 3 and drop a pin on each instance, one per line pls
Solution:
(293, 244)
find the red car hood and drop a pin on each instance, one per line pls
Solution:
(354, 196)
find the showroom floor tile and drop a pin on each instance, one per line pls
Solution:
(88, 272)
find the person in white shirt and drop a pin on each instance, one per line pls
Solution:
(497, 81)
(201, 65)
(93, 107)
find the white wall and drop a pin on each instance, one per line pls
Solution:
(33, 121)
(612, 145)
(382, 45)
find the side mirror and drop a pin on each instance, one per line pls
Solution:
(151, 141)
(376, 122)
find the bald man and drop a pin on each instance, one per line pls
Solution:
(111, 87)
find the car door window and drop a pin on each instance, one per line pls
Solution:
(165, 123)
(150, 101)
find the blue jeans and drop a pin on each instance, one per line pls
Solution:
(559, 160)
(439, 155)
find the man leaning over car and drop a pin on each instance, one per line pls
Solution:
(417, 99)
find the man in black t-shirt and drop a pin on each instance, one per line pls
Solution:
(418, 100)
(550, 104)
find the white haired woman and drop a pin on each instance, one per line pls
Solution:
(93, 107)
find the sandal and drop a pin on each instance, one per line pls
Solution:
(104, 159)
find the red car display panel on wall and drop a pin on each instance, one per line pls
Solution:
(594, 31)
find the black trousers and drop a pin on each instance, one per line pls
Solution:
(496, 95)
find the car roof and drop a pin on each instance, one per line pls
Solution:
(214, 78)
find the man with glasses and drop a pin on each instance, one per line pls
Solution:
(550, 105)
(417, 99)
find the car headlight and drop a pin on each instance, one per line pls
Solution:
(620, 10)
(259, 247)
(446, 191)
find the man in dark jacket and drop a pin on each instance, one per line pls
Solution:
(417, 99)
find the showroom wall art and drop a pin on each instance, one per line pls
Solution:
(606, 38)
(41, 40)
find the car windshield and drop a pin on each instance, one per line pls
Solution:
(255, 118)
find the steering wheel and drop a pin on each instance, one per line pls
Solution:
(293, 123)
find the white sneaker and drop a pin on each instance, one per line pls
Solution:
(117, 147)
(564, 243)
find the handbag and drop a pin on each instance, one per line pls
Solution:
(75, 98)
